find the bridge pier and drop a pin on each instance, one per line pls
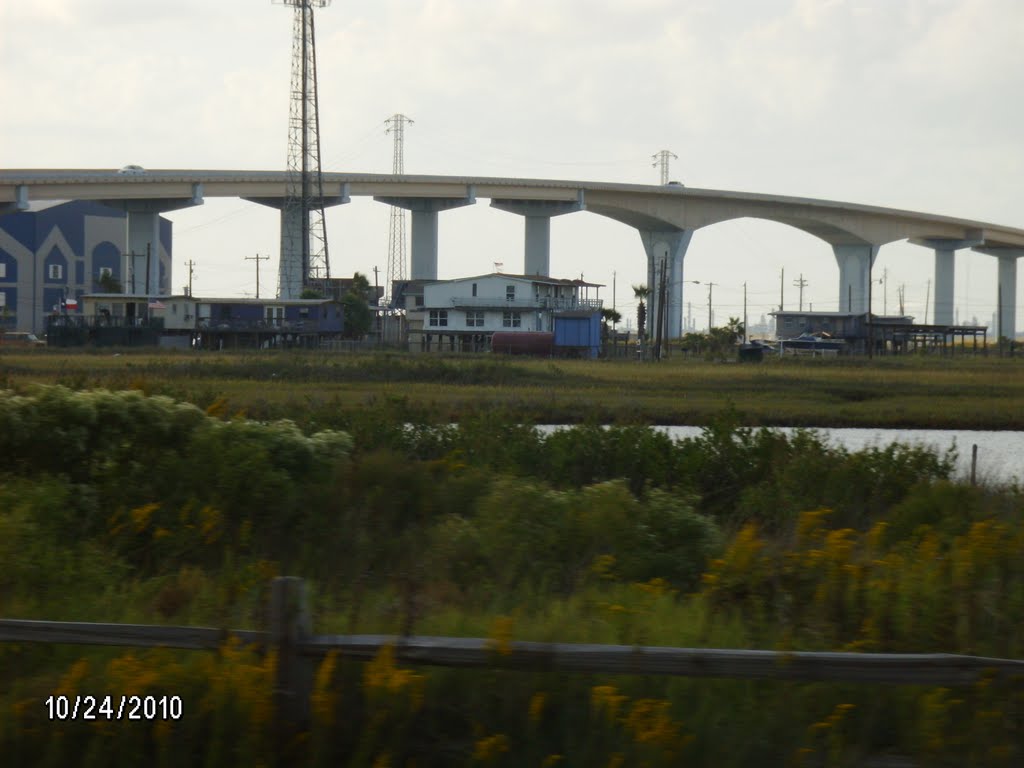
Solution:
(294, 228)
(423, 237)
(1006, 289)
(20, 202)
(537, 239)
(855, 262)
(670, 245)
(945, 262)
(144, 257)
(1007, 296)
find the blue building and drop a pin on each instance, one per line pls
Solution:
(53, 253)
(184, 322)
(578, 332)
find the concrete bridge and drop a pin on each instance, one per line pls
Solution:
(664, 216)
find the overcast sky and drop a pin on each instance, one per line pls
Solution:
(913, 104)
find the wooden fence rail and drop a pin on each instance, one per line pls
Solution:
(297, 650)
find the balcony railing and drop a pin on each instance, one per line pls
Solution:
(103, 321)
(550, 303)
(304, 325)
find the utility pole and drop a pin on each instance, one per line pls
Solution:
(800, 283)
(257, 258)
(191, 265)
(744, 311)
(782, 289)
(710, 286)
(927, 299)
(614, 322)
(662, 158)
(149, 254)
(885, 291)
(871, 325)
(999, 317)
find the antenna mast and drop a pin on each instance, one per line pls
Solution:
(396, 235)
(662, 159)
(304, 260)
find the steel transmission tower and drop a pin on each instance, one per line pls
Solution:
(662, 159)
(304, 260)
(396, 236)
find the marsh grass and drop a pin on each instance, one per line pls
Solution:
(910, 391)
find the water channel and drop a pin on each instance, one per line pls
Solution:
(1000, 453)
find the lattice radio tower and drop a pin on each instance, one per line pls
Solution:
(662, 159)
(396, 235)
(304, 260)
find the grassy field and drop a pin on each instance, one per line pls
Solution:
(951, 392)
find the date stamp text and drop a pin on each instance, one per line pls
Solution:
(84, 707)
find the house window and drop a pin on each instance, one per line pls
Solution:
(105, 272)
(419, 301)
(475, 319)
(474, 288)
(439, 317)
(3, 299)
(510, 293)
(511, 319)
(3, 273)
(56, 272)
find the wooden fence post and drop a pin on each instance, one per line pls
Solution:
(290, 626)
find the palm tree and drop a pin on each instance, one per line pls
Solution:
(608, 315)
(641, 292)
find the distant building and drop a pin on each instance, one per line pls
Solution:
(464, 313)
(58, 251)
(849, 333)
(838, 325)
(116, 319)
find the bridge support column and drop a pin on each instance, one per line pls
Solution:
(294, 227)
(423, 238)
(945, 263)
(537, 240)
(142, 261)
(945, 277)
(20, 202)
(145, 257)
(1006, 290)
(294, 230)
(671, 246)
(855, 262)
(1007, 296)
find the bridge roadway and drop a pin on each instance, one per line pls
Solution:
(665, 217)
